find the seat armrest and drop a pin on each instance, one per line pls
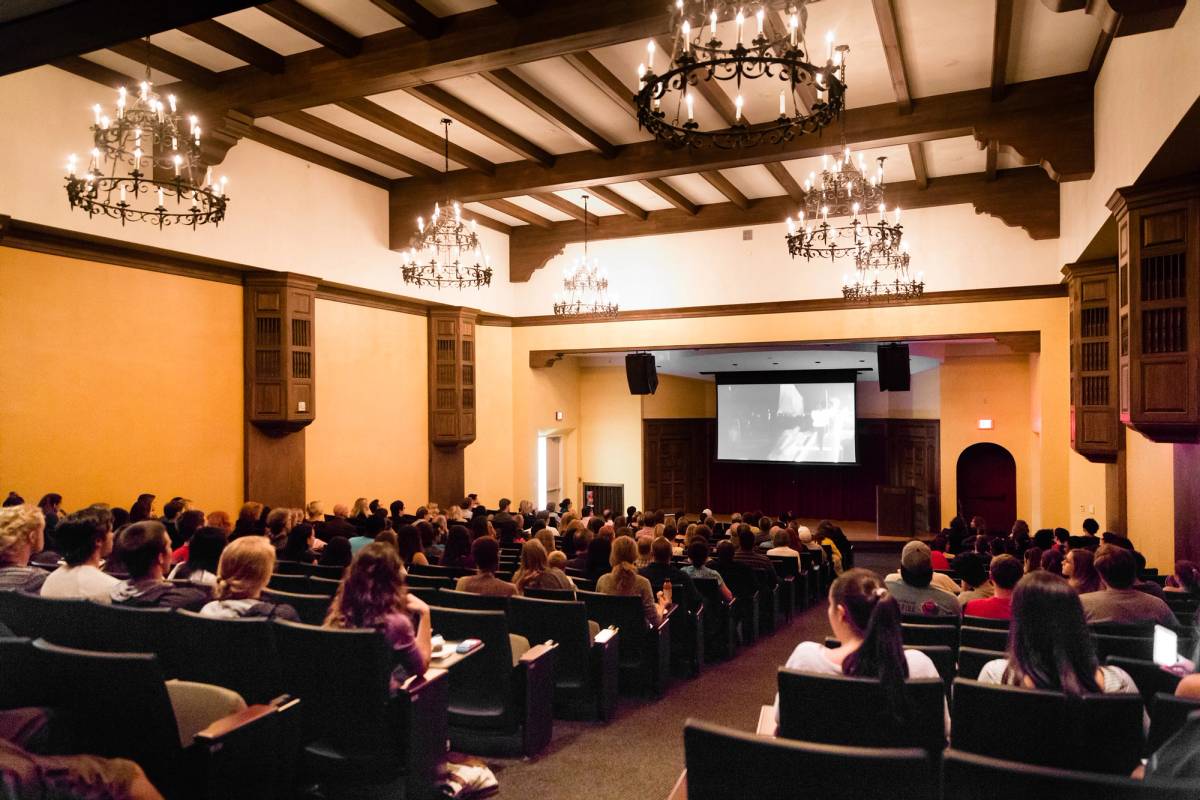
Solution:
(537, 652)
(535, 672)
(666, 618)
(234, 722)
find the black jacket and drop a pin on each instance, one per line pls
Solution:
(150, 593)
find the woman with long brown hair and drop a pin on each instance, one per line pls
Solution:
(625, 580)
(535, 571)
(372, 595)
(1080, 569)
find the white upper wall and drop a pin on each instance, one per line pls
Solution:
(284, 213)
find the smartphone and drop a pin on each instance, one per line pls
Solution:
(1166, 646)
(466, 645)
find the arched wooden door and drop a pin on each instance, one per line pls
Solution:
(987, 485)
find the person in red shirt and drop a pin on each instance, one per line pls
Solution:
(937, 552)
(1005, 571)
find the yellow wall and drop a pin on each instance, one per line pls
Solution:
(370, 437)
(536, 396)
(489, 459)
(610, 430)
(680, 398)
(1150, 470)
(118, 381)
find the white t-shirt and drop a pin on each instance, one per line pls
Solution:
(810, 657)
(83, 581)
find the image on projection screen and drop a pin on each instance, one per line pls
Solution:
(790, 422)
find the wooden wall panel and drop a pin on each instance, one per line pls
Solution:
(1095, 420)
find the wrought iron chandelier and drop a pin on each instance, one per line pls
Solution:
(140, 156)
(446, 253)
(883, 277)
(817, 92)
(585, 286)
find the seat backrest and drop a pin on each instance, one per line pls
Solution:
(967, 776)
(36, 616)
(1168, 714)
(972, 659)
(857, 712)
(983, 638)
(449, 598)
(296, 584)
(325, 586)
(435, 570)
(429, 581)
(555, 620)
(925, 619)
(621, 612)
(550, 594)
(985, 622)
(426, 593)
(239, 654)
(292, 568)
(943, 659)
(1149, 677)
(328, 571)
(726, 764)
(1126, 646)
(939, 635)
(483, 683)
(343, 679)
(1138, 630)
(120, 629)
(312, 608)
(786, 566)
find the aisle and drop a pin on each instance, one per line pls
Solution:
(640, 753)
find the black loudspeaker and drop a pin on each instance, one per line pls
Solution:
(641, 374)
(893, 368)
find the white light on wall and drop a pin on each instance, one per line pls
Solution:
(558, 415)
(985, 424)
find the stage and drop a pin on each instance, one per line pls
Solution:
(861, 533)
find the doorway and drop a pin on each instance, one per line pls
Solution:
(987, 486)
(549, 466)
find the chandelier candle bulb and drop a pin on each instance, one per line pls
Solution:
(690, 107)
(737, 108)
(759, 16)
(161, 202)
(122, 194)
(96, 113)
(741, 21)
(177, 159)
(686, 31)
(208, 177)
(712, 24)
(71, 165)
(782, 104)
(794, 24)
(829, 45)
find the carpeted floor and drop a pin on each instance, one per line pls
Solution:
(640, 753)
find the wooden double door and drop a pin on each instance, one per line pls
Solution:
(675, 459)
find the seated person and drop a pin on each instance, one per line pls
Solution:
(661, 571)
(336, 553)
(372, 595)
(22, 533)
(1049, 644)
(186, 526)
(581, 541)
(737, 576)
(911, 587)
(204, 553)
(85, 538)
(865, 618)
(780, 541)
(32, 775)
(644, 540)
(1005, 570)
(1033, 559)
(599, 556)
(749, 555)
(1052, 561)
(1149, 587)
(557, 559)
(1080, 569)
(242, 574)
(408, 540)
(486, 554)
(1186, 579)
(625, 580)
(458, 548)
(940, 580)
(371, 529)
(937, 552)
(145, 550)
(1118, 601)
(536, 573)
(973, 577)
(698, 555)
(298, 546)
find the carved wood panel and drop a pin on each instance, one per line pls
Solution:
(279, 352)
(1095, 420)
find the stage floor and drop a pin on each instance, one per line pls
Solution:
(862, 533)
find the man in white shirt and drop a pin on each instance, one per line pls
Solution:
(84, 539)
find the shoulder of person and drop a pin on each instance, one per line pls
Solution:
(1117, 681)
(920, 665)
(803, 655)
(993, 671)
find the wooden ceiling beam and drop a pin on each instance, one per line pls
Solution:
(519, 212)
(451, 106)
(352, 141)
(889, 32)
(228, 40)
(391, 121)
(519, 8)
(485, 39)
(566, 206)
(1099, 53)
(484, 221)
(416, 16)
(619, 202)
(603, 79)
(168, 62)
(710, 90)
(316, 27)
(1001, 38)
(1048, 122)
(916, 154)
(672, 195)
(523, 92)
(726, 187)
(1021, 197)
(90, 70)
(314, 156)
(785, 180)
(993, 156)
(53, 31)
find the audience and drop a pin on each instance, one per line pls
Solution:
(1118, 601)
(298, 545)
(142, 508)
(1052, 562)
(247, 523)
(625, 580)
(85, 537)
(1186, 578)
(242, 574)
(409, 542)
(1079, 569)
(485, 552)
(660, 572)
(186, 526)
(535, 573)
(204, 554)
(698, 555)
(22, 530)
(336, 553)
(781, 543)
(458, 549)
(599, 553)
(372, 595)
(937, 552)
(912, 590)
(1005, 571)
(1049, 644)
(145, 550)
(973, 576)
(1033, 559)
(749, 555)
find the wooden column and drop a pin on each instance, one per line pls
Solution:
(1187, 502)
(1116, 495)
(451, 400)
(1095, 424)
(280, 383)
(1158, 256)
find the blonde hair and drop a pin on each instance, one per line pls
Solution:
(533, 563)
(556, 559)
(622, 558)
(219, 519)
(314, 509)
(361, 506)
(251, 510)
(546, 537)
(19, 525)
(244, 569)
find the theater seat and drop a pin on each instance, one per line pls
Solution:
(35, 616)
(725, 764)
(971, 661)
(497, 708)
(449, 598)
(968, 776)
(645, 651)
(209, 650)
(312, 608)
(1168, 713)
(720, 620)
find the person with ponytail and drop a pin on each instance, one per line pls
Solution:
(245, 567)
(1186, 578)
(1049, 644)
(865, 619)
(625, 580)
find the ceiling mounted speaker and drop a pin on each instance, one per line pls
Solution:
(894, 375)
(641, 373)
